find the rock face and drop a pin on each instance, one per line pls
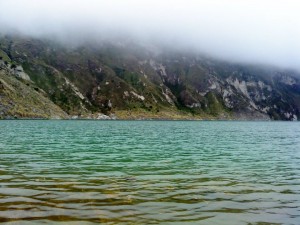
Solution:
(107, 79)
(18, 71)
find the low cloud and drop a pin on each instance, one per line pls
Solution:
(256, 31)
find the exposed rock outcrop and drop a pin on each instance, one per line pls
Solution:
(102, 80)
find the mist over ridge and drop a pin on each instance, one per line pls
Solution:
(263, 32)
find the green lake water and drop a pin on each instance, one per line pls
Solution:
(149, 172)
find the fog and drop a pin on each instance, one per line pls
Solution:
(256, 31)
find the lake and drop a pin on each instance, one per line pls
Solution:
(149, 172)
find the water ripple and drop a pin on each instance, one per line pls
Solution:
(149, 172)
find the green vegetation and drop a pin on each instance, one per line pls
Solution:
(4, 56)
(133, 82)
(19, 100)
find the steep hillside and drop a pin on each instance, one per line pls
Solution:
(20, 98)
(132, 81)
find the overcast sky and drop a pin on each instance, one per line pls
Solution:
(262, 31)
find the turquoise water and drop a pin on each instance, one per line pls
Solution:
(149, 172)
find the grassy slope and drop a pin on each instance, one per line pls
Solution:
(21, 100)
(106, 74)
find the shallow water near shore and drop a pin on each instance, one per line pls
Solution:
(149, 172)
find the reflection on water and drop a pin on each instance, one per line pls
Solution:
(149, 172)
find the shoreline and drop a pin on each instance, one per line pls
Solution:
(148, 116)
(147, 119)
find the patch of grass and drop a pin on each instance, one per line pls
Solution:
(4, 56)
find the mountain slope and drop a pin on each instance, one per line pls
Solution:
(20, 98)
(134, 81)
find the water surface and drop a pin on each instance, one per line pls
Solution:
(149, 172)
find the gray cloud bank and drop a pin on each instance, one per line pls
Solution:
(256, 31)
